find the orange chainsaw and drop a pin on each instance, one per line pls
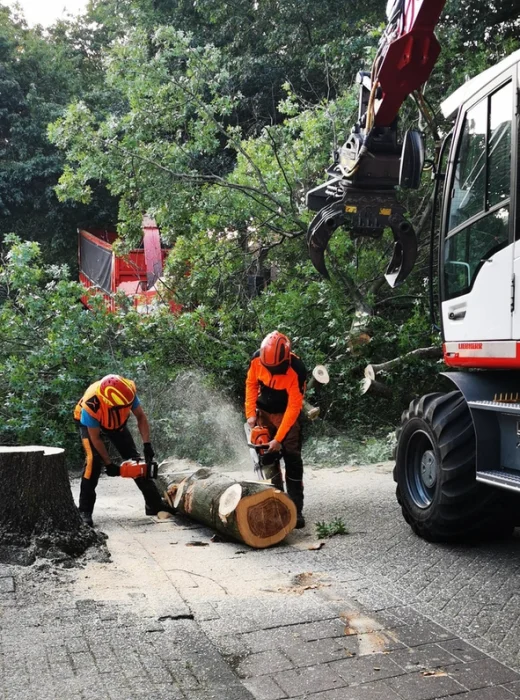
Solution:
(266, 464)
(133, 469)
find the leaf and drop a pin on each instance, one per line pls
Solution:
(196, 543)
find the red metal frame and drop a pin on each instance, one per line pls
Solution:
(131, 273)
(408, 59)
(480, 362)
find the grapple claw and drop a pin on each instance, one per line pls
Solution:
(320, 231)
(365, 214)
(404, 253)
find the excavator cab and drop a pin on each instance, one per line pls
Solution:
(479, 252)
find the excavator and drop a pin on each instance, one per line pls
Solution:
(457, 458)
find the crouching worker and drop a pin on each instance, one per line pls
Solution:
(275, 386)
(102, 414)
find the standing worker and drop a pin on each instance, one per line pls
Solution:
(275, 386)
(102, 413)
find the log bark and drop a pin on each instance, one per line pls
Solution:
(37, 511)
(250, 512)
(373, 386)
(372, 370)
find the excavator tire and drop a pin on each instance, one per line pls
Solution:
(435, 474)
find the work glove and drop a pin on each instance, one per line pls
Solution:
(112, 469)
(149, 454)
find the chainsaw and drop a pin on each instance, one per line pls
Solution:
(133, 469)
(266, 464)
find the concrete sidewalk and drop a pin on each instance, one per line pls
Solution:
(175, 615)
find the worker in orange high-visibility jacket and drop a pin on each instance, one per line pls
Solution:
(102, 414)
(275, 386)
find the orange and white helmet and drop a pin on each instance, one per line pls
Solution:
(117, 391)
(275, 350)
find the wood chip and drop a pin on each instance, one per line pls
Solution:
(438, 672)
(196, 543)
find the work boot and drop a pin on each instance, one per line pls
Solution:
(300, 521)
(87, 518)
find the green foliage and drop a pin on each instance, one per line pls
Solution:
(329, 529)
(39, 75)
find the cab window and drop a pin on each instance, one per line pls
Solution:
(478, 222)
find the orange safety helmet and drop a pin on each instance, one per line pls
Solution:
(117, 391)
(275, 349)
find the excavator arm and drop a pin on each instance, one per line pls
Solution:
(359, 194)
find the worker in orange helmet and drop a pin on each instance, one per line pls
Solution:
(275, 386)
(102, 414)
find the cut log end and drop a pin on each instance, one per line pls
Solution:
(263, 521)
(47, 451)
(229, 500)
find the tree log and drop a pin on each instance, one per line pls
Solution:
(373, 386)
(372, 370)
(256, 514)
(37, 511)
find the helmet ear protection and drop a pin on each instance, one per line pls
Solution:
(117, 391)
(275, 350)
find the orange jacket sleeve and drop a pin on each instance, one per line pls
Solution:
(251, 390)
(293, 410)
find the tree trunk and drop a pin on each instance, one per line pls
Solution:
(37, 511)
(256, 514)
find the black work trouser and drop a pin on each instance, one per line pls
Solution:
(124, 443)
(292, 456)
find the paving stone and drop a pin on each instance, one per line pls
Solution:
(320, 651)
(371, 691)
(264, 688)
(6, 584)
(264, 663)
(498, 693)
(462, 650)
(397, 616)
(322, 629)
(514, 688)
(232, 644)
(365, 669)
(262, 640)
(482, 673)
(429, 656)
(421, 633)
(307, 680)
(418, 687)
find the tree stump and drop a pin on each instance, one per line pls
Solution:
(37, 511)
(253, 513)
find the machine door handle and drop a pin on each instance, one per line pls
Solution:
(456, 315)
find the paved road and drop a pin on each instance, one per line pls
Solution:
(375, 615)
